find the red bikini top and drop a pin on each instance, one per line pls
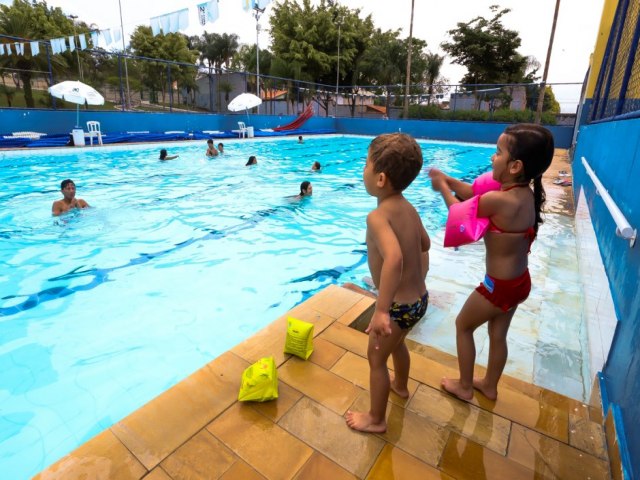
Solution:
(529, 233)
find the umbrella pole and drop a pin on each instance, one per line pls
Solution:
(77, 115)
(247, 112)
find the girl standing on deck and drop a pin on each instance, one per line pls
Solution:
(523, 154)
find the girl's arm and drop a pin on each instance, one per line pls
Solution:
(461, 189)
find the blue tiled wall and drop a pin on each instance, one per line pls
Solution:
(613, 152)
(62, 121)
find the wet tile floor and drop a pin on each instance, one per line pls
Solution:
(198, 430)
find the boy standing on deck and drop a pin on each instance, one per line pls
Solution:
(398, 248)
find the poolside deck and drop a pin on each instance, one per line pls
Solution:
(198, 429)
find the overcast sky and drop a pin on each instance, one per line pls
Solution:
(576, 31)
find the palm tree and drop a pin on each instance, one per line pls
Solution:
(434, 64)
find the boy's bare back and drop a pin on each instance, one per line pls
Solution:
(395, 228)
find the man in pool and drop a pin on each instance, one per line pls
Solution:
(69, 200)
(211, 149)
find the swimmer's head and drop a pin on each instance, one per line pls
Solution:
(163, 154)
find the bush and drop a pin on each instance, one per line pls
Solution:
(434, 112)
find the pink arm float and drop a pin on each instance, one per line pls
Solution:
(463, 224)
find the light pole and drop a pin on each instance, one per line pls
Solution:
(339, 20)
(126, 71)
(257, 13)
(73, 19)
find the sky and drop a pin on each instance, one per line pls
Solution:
(576, 30)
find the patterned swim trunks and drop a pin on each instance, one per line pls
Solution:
(407, 315)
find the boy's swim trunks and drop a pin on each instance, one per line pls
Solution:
(407, 315)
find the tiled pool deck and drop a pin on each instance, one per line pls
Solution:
(198, 429)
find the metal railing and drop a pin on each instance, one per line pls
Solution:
(623, 227)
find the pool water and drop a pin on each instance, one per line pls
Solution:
(176, 262)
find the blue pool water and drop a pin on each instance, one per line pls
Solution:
(176, 262)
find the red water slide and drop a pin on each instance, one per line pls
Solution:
(298, 122)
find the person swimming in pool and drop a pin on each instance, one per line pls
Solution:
(316, 167)
(164, 156)
(252, 161)
(69, 200)
(211, 149)
(221, 148)
(306, 190)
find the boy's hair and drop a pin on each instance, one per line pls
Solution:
(220, 145)
(316, 165)
(533, 146)
(210, 141)
(398, 156)
(66, 182)
(163, 153)
(303, 187)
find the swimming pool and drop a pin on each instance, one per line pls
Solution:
(177, 262)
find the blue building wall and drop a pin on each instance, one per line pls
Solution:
(613, 152)
(62, 121)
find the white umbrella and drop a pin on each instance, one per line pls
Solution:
(78, 93)
(244, 101)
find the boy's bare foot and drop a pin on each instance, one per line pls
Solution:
(454, 388)
(401, 392)
(363, 422)
(490, 392)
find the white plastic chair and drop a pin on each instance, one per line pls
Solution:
(94, 131)
(242, 132)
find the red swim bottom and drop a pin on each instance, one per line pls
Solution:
(506, 294)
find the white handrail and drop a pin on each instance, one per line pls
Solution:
(623, 227)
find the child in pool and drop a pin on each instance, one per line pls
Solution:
(523, 154)
(397, 248)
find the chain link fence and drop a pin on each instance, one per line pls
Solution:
(617, 91)
(136, 83)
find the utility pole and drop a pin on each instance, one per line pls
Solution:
(75, 47)
(257, 13)
(126, 71)
(405, 110)
(340, 19)
(543, 85)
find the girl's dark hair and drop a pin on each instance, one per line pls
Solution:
(303, 186)
(163, 154)
(533, 146)
(252, 161)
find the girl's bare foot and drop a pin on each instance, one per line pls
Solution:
(456, 389)
(363, 422)
(481, 384)
(401, 392)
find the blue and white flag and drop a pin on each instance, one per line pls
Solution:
(72, 43)
(208, 12)
(83, 41)
(106, 35)
(35, 48)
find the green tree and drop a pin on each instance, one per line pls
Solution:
(306, 37)
(488, 50)
(34, 20)
(215, 52)
(384, 61)
(432, 75)
(173, 47)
